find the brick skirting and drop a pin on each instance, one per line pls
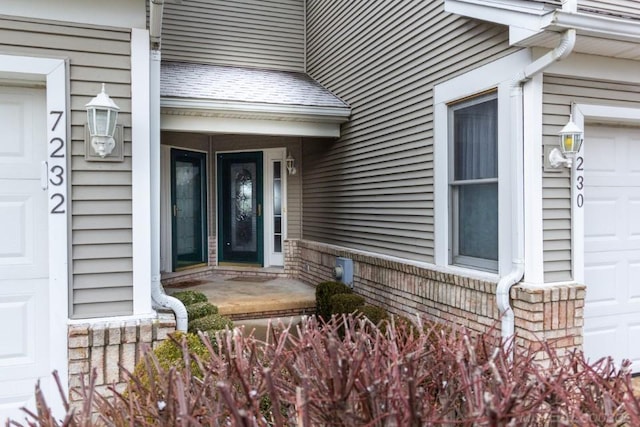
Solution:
(553, 313)
(109, 349)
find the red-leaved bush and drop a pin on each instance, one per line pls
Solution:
(348, 372)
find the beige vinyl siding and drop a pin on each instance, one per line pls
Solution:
(100, 193)
(558, 94)
(244, 33)
(373, 188)
(218, 143)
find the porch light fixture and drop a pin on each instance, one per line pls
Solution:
(102, 114)
(291, 165)
(571, 138)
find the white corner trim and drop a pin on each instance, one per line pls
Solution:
(582, 114)
(498, 75)
(54, 73)
(533, 221)
(140, 172)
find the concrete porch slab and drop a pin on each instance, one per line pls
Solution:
(252, 297)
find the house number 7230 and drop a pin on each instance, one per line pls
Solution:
(56, 171)
(579, 181)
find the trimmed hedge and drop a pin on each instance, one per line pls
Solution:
(324, 292)
(375, 314)
(190, 297)
(346, 303)
(200, 309)
(210, 323)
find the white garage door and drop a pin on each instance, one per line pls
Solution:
(24, 284)
(612, 243)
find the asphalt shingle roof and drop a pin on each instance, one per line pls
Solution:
(221, 83)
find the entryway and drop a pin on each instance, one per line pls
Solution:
(612, 243)
(240, 208)
(189, 206)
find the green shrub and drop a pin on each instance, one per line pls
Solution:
(374, 314)
(201, 309)
(169, 355)
(190, 297)
(346, 303)
(324, 292)
(210, 323)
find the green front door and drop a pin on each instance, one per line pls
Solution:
(189, 204)
(240, 221)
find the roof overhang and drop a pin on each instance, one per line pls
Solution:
(538, 24)
(213, 116)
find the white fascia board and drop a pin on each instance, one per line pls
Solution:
(525, 17)
(113, 13)
(522, 14)
(250, 110)
(248, 126)
(594, 25)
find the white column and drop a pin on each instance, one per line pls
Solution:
(140, 172)
(154, 151)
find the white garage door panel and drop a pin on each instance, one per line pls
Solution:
(612, 243)
(24, 254)
(23, 124)
(23, 230)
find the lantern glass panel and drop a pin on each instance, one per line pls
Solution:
(113, 117)
(102, 117)
(568, 142)
(91, 120)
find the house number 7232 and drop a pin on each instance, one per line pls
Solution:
(579, 181)
(56, 171)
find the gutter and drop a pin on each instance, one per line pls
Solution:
(516, 274)
(159, 298)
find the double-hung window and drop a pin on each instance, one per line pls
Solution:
(473, 182)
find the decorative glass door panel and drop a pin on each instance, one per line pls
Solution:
(189, 203)
(240, 208)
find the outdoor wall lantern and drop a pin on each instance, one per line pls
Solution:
(570, 142)
(291, 165)
(102, 114)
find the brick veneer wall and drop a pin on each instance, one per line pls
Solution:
(541, 313)
(109, 348)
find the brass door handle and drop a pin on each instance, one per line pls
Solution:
(259, 209)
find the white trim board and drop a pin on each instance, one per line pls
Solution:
(497, 74)
(141, 172)
(54, 72)
(248, 126)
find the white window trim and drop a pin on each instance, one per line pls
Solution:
(497, 74)
(482, 264)
(54, 73)
(584, 113)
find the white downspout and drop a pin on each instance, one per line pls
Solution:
(517, 169)
(159, 298)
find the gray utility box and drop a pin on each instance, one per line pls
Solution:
(344, 270)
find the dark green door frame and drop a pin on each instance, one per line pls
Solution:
(240, 208)
(189, 240)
